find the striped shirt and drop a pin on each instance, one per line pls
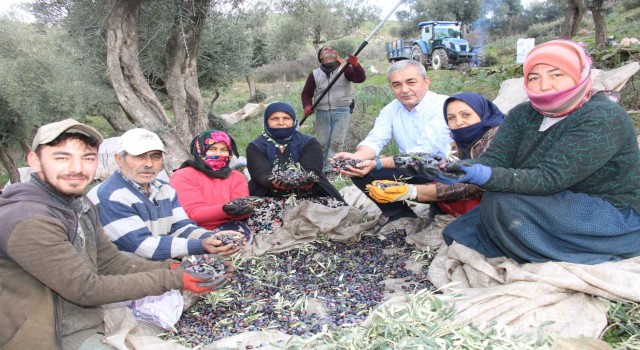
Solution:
(152, 225)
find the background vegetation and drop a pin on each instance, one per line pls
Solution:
(61, 71)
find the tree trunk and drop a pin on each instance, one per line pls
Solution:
(572, 18)
(252, 87)
(136, 97)
(116, 121)
(216, 94)
(181, 71)
(214, 121)
(598, 13)
(26, 148)
(8, 164)
(317, 39)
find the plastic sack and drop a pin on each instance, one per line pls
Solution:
(163, 310)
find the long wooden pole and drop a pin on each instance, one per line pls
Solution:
(346, 64)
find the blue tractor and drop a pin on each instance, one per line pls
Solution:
(440, 46)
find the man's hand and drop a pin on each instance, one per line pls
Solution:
(201, 283)
(465, 172)
(346, 155)
(386, 191)
(353, 61)
(308, 111)
(236, 238)
(214, 246)
(361, 169)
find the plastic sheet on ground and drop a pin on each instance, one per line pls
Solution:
(304, 222)
(524, 296)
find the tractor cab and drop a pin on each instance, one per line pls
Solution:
(440, 45)
(447, 34)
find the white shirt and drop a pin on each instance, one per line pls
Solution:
(422, 130)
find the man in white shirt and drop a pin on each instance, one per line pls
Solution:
(415, 121)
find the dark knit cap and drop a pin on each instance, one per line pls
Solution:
(320, 51)
(279, 107)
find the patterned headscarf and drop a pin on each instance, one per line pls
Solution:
(212, 166)
(569, 57)
(490, 116)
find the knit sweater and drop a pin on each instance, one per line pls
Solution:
(155, 228)
(202, 197)
(593, 151)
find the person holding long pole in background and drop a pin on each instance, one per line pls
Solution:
(333, 112)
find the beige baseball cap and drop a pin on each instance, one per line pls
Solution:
(50, 132)
(138, 141)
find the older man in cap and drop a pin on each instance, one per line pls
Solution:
(56, 264)
(141, 213)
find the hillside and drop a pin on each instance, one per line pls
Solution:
(283, 81)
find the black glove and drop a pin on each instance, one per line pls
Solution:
(239, 207)
(428, 165)
(283, 186)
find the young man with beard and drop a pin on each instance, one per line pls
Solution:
(140, 213)
(333, 112)
(56, 264)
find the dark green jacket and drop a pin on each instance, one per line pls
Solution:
(594, 150)
(39, 266)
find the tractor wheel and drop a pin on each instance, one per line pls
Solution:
(481, 58)
(417, 55)
(439, 60)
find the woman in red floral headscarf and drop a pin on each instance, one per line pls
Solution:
(206, 183)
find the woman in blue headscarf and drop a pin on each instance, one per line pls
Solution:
(473, 121)
(281, 146)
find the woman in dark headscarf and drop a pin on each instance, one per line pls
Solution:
(282, 147)
(473, 121)
(205, 183)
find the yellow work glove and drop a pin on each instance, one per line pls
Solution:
(386, 191)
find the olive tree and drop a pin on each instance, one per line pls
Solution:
(44, 84)
(319, 21)
(156, 55)
(573, 16)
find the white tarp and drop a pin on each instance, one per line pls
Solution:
(526, 296)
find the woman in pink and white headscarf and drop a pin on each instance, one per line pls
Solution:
(562, 175)
(206, 183)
